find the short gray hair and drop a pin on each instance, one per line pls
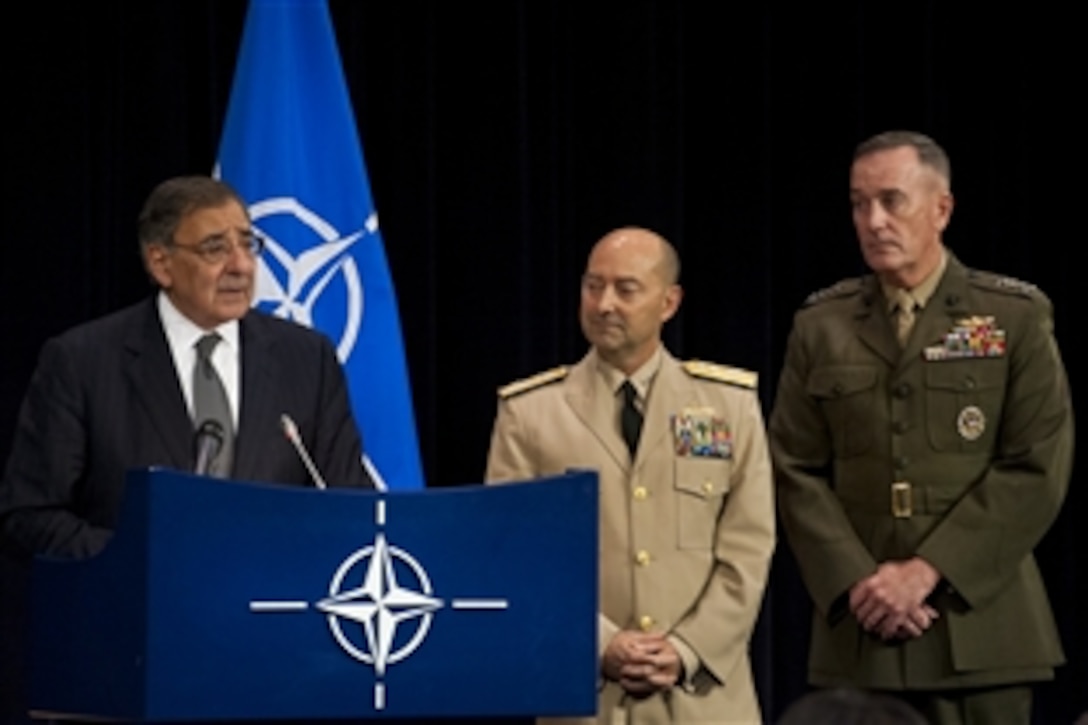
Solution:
(929, 151)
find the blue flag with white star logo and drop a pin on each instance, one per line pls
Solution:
(291, 149)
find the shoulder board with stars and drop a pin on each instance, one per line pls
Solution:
(1000, 283)
(535, 381)
(845, 288)
(721, 373)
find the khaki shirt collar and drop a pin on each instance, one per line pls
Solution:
(642, 378)
(922, 292)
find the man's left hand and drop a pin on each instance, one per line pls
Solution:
(891, 601)
(657, 666)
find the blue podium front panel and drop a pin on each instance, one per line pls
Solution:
(228, 600)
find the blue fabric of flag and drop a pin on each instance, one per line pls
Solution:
(291, 149)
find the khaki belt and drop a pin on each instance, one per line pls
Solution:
(901, 499)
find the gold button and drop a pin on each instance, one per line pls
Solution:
(640, 493)
(708, 487)
(645, 622)
(643, 557)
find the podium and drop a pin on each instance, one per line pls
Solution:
(227, 600)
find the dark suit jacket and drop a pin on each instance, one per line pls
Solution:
(985, 444)
(105, 398)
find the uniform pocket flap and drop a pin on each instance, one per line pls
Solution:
(966, 378)
(702, 477)
(834, 381)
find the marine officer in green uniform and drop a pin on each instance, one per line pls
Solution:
(922, 438)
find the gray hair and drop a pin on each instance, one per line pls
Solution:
(929, 151)
(172, 200)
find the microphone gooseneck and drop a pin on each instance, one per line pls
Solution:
(291, 431)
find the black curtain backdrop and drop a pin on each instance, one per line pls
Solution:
(502, 139)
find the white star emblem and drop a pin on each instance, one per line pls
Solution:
(380, 605)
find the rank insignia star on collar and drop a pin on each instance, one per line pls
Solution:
(970, 337)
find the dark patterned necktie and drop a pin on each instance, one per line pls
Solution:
(630, 418)
(210, 403)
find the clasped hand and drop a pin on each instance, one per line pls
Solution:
(892, 602)
(641, 663)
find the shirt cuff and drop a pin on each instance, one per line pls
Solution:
(689, 659)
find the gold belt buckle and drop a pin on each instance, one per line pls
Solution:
(902, 500)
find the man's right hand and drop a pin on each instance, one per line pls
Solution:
(891, 603)
(642, 663)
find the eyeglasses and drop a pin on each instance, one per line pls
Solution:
(218, 248)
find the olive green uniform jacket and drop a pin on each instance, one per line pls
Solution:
(980, 448)
(685, 539)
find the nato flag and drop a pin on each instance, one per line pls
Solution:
(291, 149)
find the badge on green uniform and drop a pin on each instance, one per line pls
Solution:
(971, 423)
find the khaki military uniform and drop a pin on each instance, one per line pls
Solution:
(956, 448)
(686, 529)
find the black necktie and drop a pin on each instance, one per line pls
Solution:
(630, 418)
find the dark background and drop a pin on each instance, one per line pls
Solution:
(502, 139)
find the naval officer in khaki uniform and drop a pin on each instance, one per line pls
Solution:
(686, 498)
(922, 439)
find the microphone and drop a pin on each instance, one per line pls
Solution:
(208, 441)
(291, 431)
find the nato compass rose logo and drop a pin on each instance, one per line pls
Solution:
(369, 599)
(322, 284)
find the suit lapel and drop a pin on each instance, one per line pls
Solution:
(152, 375)
(256, 400)
(874, 329)
(596, 411)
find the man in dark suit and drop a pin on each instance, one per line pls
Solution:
(118, 392)
(922, 438)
